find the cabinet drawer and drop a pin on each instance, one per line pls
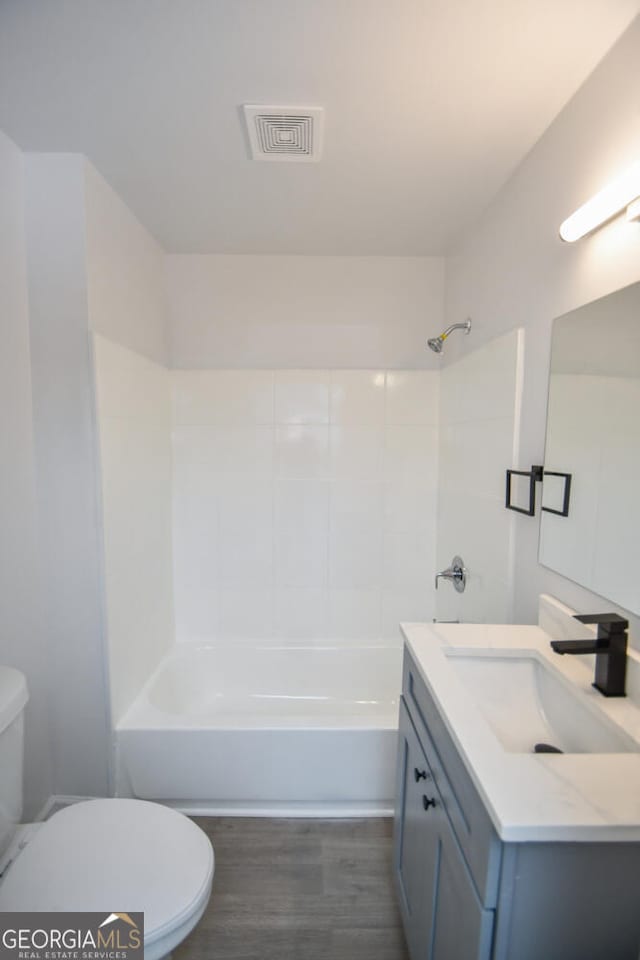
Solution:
(470, 821)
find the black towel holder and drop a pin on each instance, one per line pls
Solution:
(535, 475)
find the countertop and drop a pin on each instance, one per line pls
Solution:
(533, 797)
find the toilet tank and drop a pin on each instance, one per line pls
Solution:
(13, 698)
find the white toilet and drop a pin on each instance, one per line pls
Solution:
(98, 855)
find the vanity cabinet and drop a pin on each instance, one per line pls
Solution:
(466, 895)
(443, 915)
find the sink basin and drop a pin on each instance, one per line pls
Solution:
(527, 703)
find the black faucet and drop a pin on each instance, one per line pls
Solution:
(610, 648)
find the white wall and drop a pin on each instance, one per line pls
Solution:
(512, 269)
(480, 401)
(303, 312)
(304, 502)
(90, 265)
(134, 428)
(125, 273)
(23, 634)
(66, 472)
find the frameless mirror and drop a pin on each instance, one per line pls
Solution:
(593, 434)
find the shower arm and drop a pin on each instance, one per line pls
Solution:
(435, 343)
(466, 326)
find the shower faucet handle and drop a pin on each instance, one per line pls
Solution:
(456, 572)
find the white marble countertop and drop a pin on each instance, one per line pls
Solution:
(533, 797)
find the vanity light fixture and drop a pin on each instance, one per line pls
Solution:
(623, 192)
(633, 210)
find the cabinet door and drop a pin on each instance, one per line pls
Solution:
(416, 841)
(441, 911)
(463, 930)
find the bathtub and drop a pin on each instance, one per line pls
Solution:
(266, 730)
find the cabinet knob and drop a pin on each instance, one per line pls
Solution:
(420, 774)
(428, 802)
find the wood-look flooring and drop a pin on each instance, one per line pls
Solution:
(298, 890)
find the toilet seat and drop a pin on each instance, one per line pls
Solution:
(117, 855)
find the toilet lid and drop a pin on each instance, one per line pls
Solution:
(114, 856)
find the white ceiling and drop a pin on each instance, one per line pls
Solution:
(429, 107)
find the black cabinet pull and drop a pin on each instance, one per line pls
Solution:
(428, 802)
(420, 774)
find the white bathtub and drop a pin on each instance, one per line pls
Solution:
(264, 729)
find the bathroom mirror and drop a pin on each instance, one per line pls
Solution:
(593, 434)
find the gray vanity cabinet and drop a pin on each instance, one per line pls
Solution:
(417, 840)
(442, 914)
(465, 895)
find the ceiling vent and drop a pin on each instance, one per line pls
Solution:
(284, 133)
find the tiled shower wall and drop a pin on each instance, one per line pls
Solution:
(304, 502)
(479, 440)
(134, 440)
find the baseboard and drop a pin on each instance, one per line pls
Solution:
(325, 811)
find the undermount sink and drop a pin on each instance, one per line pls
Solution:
(526, 703)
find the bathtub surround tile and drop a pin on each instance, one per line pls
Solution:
(408, 506)
(355, 558)
(355, 614)
(196, 547)
(482, 524)
(241, 449)
(409, 560)
(245, 533)
(474, 455)
(301, 532)
(195, 584)
(302, 451)
(300, 613)
(412, 398)
(411, 453)
(302, 396)
(356, 452)
(195, 503)
(356, 506)
(409, 606)
(191, 445)
(133, 404)
(357, 398)
(486, 598)
(195, 554)
(482, 384)
(478, 441)
(192, 478)
(235, 449)
(303, 494)
(245, 612)
(195, 529)
(197, 608)
(222, 396)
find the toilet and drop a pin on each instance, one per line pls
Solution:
(98, 855)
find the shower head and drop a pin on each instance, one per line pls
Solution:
(436, 343)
